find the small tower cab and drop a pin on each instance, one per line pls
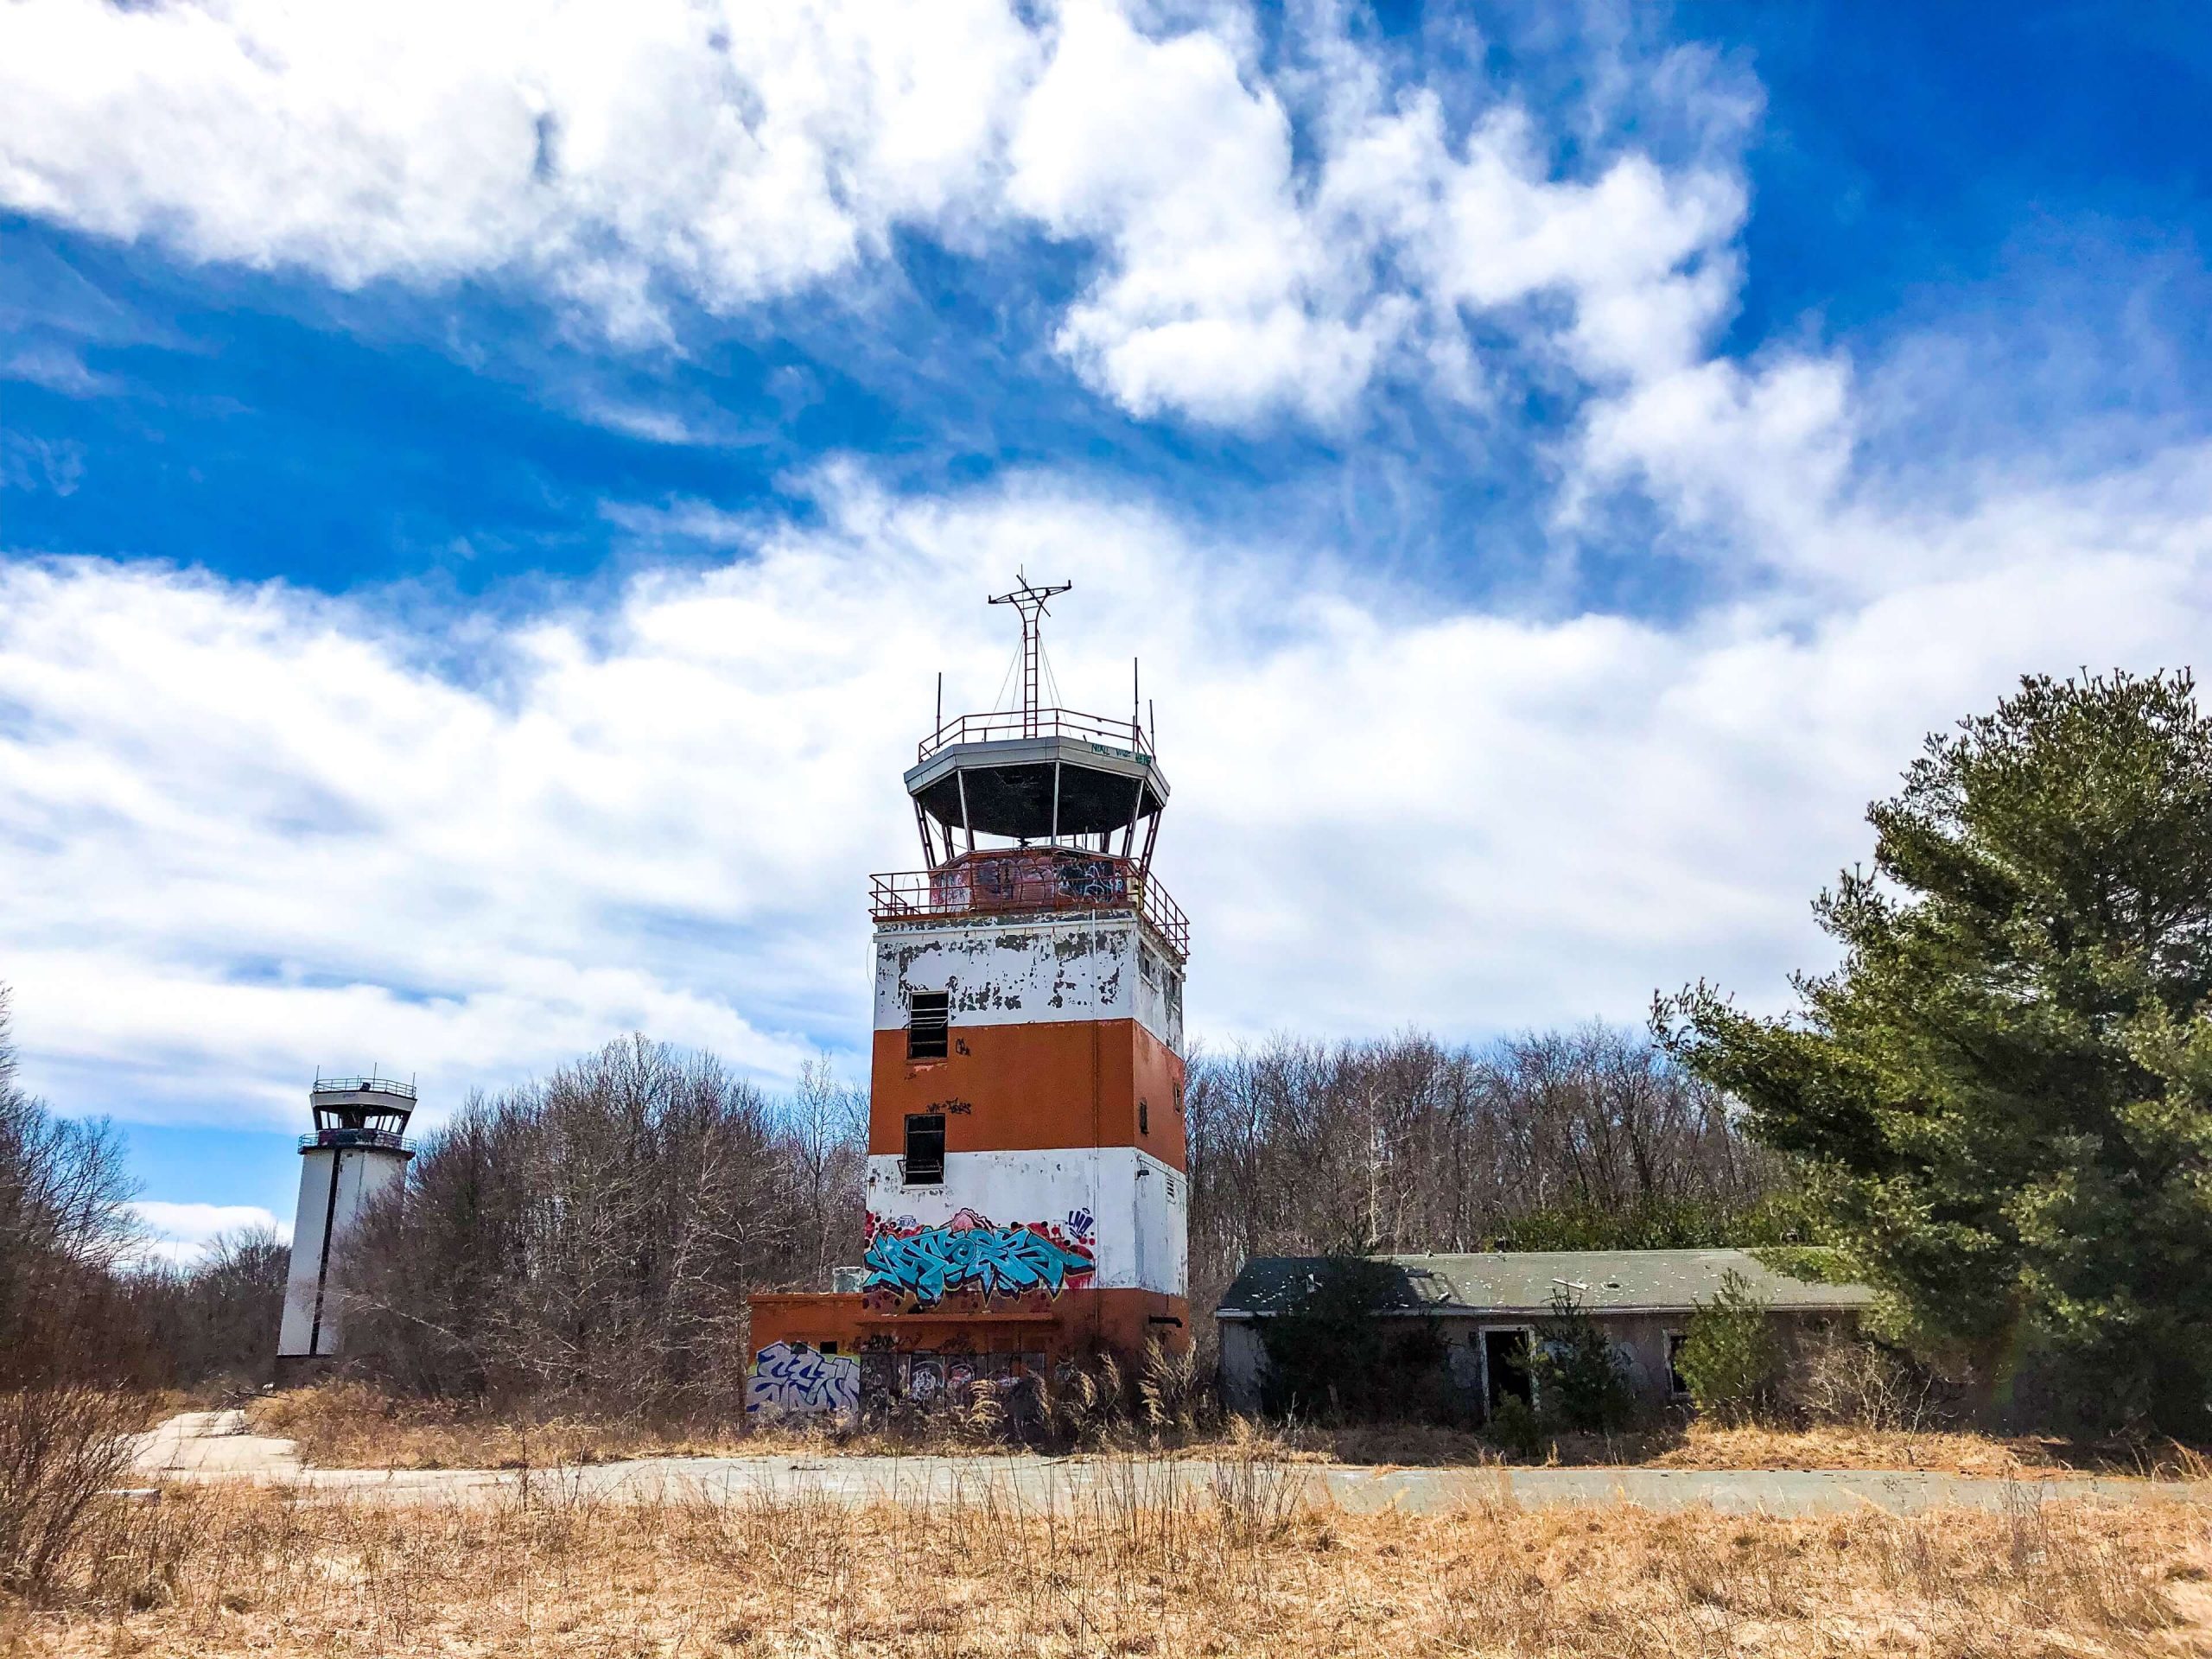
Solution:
(359, 1150)
(1027, 1200)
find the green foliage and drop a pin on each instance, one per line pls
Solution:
(1731, 1356)
(1579, 1379)
(2000, 1103)
(1814, 1264)
(1663, 1224)
(1341, 1355)
(1515, 1427)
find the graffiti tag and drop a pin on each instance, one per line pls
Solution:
(793, 1377)
(996, 1261)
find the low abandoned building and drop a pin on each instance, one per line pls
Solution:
(1487, 1311)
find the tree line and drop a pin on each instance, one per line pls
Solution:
(1997, 1108)
(595, 1235)
(1593, 1138)
(79, 1299)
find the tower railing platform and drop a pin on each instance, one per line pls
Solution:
(1030, 881)
(383, 1140)
(371, 1084)
(1126, 737)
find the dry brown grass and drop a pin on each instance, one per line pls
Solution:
(346, 1425)
(350, 1426)
(1140, 1565)
(1714, 1446)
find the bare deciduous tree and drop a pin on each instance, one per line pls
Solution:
(1405, 1145)
(592, 1236)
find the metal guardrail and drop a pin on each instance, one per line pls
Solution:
(1027, 880)
(383, 1140)
(1124, 736)
(371, 1084)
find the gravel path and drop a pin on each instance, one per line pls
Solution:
(213, 1445)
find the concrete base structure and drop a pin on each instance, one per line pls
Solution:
(827, 1353)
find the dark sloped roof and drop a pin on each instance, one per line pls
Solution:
(1524, 1283)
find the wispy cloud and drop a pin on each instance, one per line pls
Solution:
(57, 368)
(179, 1234)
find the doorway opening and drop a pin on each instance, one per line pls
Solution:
(1505, 1363)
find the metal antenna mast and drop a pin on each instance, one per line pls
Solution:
(1029, 600)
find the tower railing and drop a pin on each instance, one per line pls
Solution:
(1035, 880)
(1123, 736)
(385, 1140)
(371, 1084)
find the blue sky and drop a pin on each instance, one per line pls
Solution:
(483, 500)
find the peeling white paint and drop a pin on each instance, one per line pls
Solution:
(1030, 971)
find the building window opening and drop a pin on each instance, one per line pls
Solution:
(1675, 1381)
(1144, 1117)
(924, 1165)
(928, 1024)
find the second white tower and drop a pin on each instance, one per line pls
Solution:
(358, 1151)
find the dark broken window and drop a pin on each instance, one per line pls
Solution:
(924, 1165)
(1144, 1117)
(927, 1027)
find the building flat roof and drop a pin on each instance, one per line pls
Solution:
(1523, 1282)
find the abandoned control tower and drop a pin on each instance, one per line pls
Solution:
(359, 1150)
(1027, 1200)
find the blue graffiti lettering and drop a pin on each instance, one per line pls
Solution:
(793, 1377)
(995, 1260)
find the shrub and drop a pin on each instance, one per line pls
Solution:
(1848, 1379)
(1731, 1356)
(1579, 1379)
(1513, 1425)
(61, 1448)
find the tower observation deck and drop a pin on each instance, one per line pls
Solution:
(1035, 808)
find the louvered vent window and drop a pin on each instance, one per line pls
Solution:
(927, 1027)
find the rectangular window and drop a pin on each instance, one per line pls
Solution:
(927, 1026)
(1674, 1374)
(924, 1165)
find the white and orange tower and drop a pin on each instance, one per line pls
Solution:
(1027, 1200)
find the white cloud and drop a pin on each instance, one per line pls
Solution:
(733, 151)
(56, 369)
(1219, 297)
(615, 156)
(252, 831)
(180, 1233)
(1238, 279)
